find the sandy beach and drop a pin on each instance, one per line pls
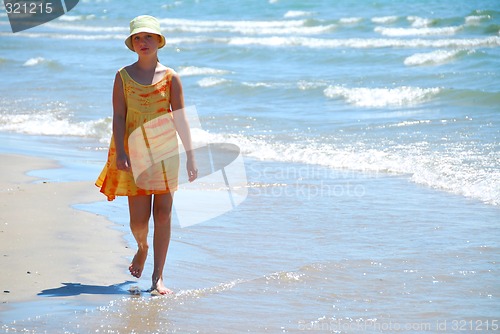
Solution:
(47, 247)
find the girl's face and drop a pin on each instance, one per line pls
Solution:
(145, 43)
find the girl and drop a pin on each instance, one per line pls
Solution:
(147, 104)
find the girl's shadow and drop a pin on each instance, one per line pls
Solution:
(75, 289)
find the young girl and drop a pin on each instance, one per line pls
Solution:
(147, 96)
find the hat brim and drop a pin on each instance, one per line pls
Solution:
(128, 40)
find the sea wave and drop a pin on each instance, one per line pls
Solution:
(50, 124)
(193, 70)
(72, 18)
(279, 27)
(273, 34)
(462, 169)
(419, 22)
(36, 61)
(84, 28)
(258, 84)
(399, 32)
(197, 293)
(381, 97)
(384, 19)
(408, 123)
(64, 36)
(294, 23)
(435, 57)
(296, 13)
(212, 81)
(476, 19)
(358, 43)
(307, 85)
(448, 171)
(350, 20)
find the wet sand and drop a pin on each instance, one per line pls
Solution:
(48, 248)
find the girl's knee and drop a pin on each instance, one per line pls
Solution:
(162, 215)
(162, 209)
(139, 225)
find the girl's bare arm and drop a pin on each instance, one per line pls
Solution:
(119, 118)
(182, 125)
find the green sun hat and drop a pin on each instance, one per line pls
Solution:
(144, 23)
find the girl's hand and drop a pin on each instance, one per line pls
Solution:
(122, 162)
(192, 170)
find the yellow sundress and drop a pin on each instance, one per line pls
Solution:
(150, 142)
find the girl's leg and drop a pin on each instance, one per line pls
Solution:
(140, 211)
(162, 214)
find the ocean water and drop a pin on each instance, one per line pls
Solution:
(370, 136)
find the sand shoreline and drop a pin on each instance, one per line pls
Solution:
(47, 247)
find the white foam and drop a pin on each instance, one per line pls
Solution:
(432, 58)
(72, 18)
(258, 84)
(296, 13)
(289, 41)
(475, 20)
(442, 170)
(350, 20)
(409, 123)
(306, 85)
(49, 124)
(284, 276)
(426, 166)
(281, 27)
(384, 19)
(193, 70)
(382, 97)
(398, 32)
(85, 28)
(361, 43)
(63, 36)
(419, 22)
(171, 5)
(212, 81)
(293, 30)
(197, 293)
(35, 61)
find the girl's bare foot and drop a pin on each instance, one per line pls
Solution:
(138, 261)
(159, 288)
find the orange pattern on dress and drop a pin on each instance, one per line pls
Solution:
(146, 104)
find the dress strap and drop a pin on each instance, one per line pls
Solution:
(124, 75)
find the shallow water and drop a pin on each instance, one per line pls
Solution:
(390, 253)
